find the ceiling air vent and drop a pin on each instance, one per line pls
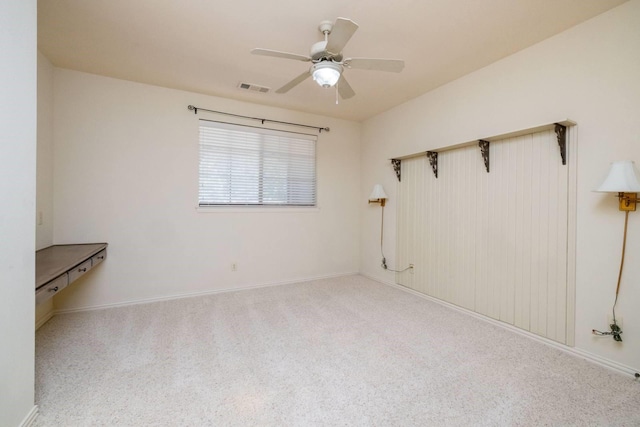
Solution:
(252, 87)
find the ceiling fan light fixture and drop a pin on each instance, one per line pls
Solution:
(326, 73)
(327, 60)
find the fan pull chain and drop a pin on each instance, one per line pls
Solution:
(336, 94)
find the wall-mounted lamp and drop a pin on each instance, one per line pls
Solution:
(378, 195)
(624, 179)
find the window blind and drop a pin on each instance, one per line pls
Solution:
(242, 165)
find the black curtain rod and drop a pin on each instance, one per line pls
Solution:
(320, 129)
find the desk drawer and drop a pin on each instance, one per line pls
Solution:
(98, 258)
(77, 272)
(52, 288)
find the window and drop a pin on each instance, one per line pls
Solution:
(247, 166)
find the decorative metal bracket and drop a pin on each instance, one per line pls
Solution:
(433, 161)
(561, 133)
(484, 150)
(396, 167)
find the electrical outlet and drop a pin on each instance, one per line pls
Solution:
(618, 320)
(234, 266)
(40, 218)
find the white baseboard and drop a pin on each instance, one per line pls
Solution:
(30, 418)
(593, 358)
(197, 294)
(44, 319)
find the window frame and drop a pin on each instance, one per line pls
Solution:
(259, 204)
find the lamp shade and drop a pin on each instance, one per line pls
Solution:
(326, 74)
(377, 193)
(623, 177)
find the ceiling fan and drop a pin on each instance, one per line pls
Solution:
(327, 59)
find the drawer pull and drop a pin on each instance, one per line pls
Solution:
(53, 289)
(82, 270)
(101, 257)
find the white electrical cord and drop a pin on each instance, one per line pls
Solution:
(384, 259)
(615, 328)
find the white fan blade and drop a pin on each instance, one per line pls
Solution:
(393, 65)
(340, 34)
(278, 54)
(295, 82)
(344, 89)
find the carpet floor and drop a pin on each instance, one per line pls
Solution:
(337, 352)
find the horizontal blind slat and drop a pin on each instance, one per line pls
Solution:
(249, 166)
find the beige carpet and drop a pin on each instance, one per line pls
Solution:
(345, 351)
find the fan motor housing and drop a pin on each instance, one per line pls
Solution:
(319, 51)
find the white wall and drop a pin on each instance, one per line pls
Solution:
(589, 74)
(44, 176)
(126, 173)
(44, 171)
(17, 192)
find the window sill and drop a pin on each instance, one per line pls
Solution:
(256, 209)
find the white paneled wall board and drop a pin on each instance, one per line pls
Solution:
(500, 243)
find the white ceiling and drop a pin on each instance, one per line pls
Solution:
(204, 45)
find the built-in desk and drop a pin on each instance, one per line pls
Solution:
(59, 265)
